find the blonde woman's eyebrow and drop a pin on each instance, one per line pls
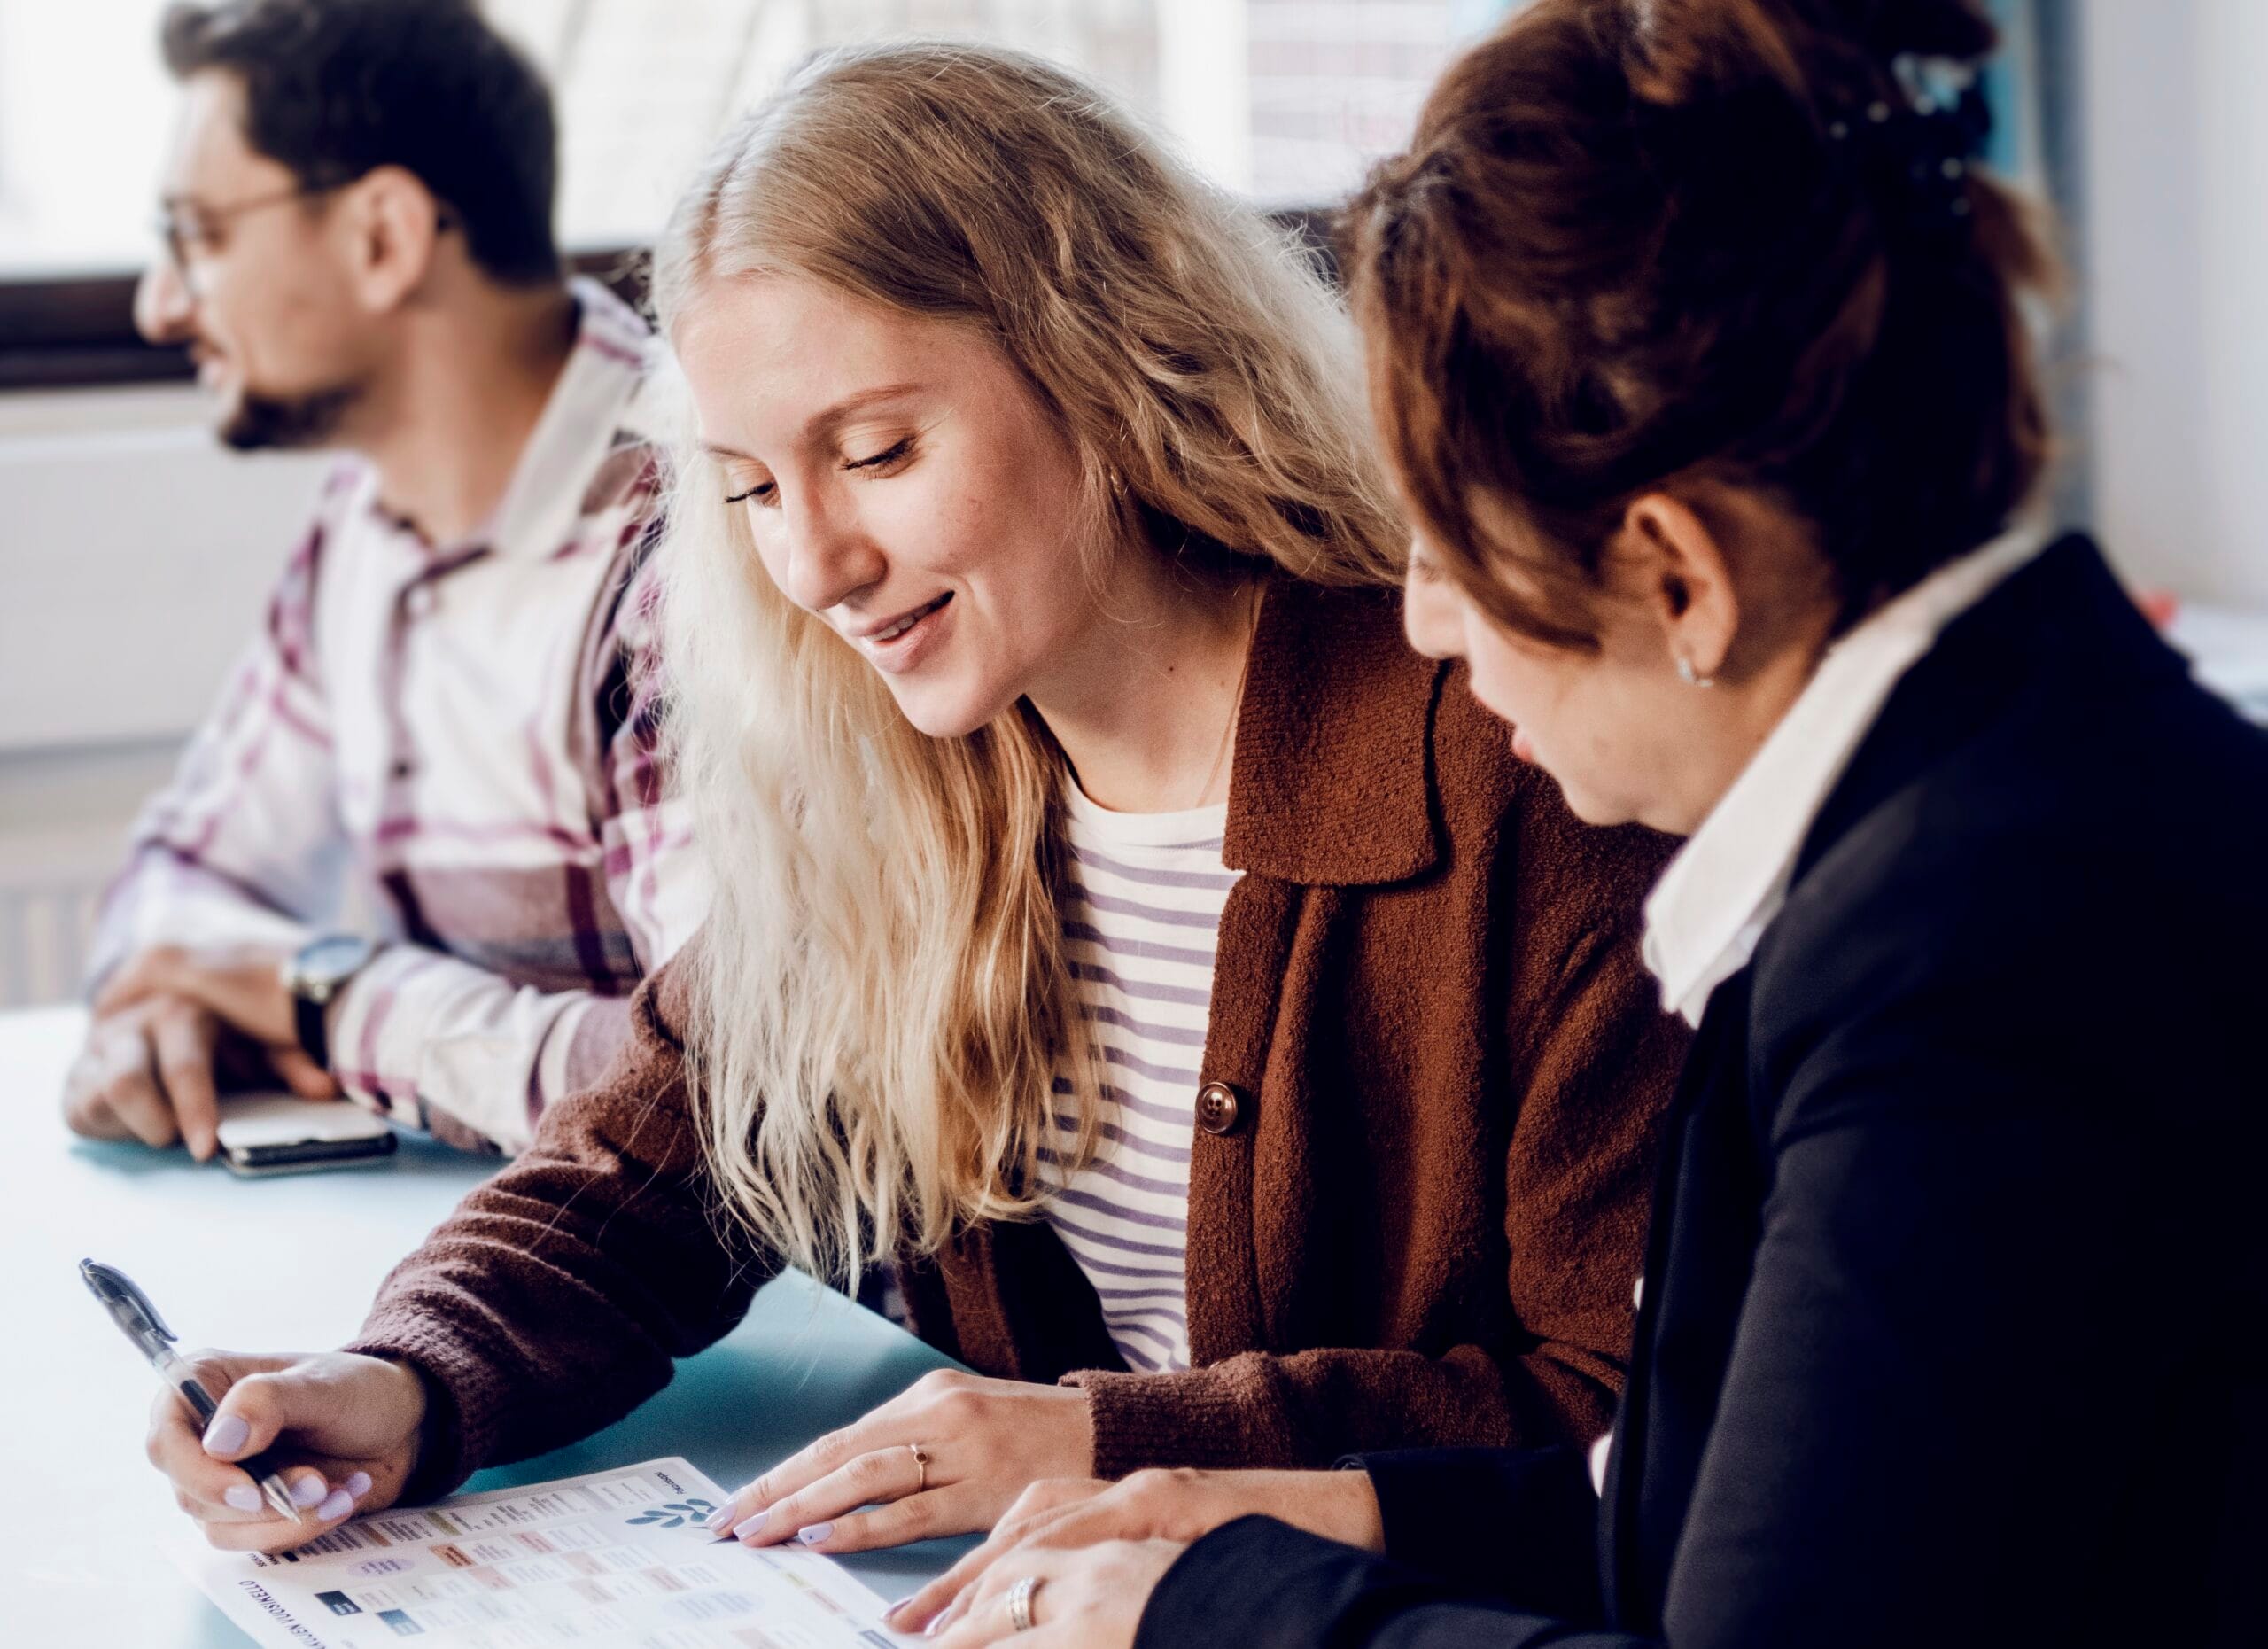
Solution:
(823, 425)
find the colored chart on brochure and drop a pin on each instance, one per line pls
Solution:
(614, 1559)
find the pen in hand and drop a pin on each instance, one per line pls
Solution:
(137, 1318)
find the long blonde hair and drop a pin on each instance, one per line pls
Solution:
(880, 999)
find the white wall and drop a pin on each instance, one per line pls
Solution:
(2232, 264)
(133, 556)
(2176, 258)
(134, 559)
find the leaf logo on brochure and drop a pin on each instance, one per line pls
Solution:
(673, 1513)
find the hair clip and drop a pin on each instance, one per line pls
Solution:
(1916, 152)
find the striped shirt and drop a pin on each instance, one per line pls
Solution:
(460, 741)
(1142, 913)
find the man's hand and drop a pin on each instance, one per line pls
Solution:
(167, 1023)
(146, 1074)
(241, 984)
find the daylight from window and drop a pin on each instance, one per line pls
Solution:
(1284, 100)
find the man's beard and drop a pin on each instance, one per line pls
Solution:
(260, 423)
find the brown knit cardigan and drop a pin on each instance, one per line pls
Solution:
(1421, 1227)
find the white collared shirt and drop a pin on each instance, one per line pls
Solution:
(1713, 904)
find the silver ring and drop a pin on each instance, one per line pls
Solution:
(1020, 1603)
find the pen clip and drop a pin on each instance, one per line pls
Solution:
(128, 1306)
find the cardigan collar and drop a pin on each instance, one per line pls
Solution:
(1330, 783)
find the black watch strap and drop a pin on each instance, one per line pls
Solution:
(315, 977)
(310, 1017)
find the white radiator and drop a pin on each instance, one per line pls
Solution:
(47, 915)
(64, 820)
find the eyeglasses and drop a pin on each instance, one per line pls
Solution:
(186, 227)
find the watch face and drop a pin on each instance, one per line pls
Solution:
(329, 961)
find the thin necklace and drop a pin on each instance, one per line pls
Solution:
(1236, 705)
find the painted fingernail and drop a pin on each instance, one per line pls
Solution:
(358, 1485)
(226, 1434)
(816, 1533)
(339, 1505)
(307, 1490)
(244, 1496)
(718, 1519)
(742, 1531)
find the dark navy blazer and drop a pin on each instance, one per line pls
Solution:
(1953, 1330)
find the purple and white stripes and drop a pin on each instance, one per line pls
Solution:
(1144, 909)
(466, 737)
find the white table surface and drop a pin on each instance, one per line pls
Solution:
(291, 1262)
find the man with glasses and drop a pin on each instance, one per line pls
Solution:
(420, 851)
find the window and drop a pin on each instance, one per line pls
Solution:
(84, 104)
(1286, 100)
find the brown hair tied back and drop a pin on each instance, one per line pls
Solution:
(1644, 245)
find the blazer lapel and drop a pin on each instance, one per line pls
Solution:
(1640, 1512)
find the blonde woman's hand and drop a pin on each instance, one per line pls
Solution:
(1175, 1505)
(1091, 1597)
(344, 1428)
(981, 1443)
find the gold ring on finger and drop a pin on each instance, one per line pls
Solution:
(920, 1467)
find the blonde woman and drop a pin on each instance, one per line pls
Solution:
(1241, 1056)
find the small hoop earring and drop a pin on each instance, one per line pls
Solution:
(1690, 676)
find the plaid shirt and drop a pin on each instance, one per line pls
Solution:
(461, 742)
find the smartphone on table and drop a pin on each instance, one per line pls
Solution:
(280, 1133)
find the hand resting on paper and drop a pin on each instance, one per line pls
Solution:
(345, 1427)
(1083, 1597)
(1176, 1506)
(982, 1442)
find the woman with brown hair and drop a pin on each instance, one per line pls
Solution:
(1700, 351)
(1116, 928)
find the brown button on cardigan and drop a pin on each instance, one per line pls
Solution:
(1421, 1227)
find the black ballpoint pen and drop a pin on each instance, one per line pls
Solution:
(130, 1308)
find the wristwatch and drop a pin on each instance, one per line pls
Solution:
(315, 976)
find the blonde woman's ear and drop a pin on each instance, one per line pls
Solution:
(1433, 609)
